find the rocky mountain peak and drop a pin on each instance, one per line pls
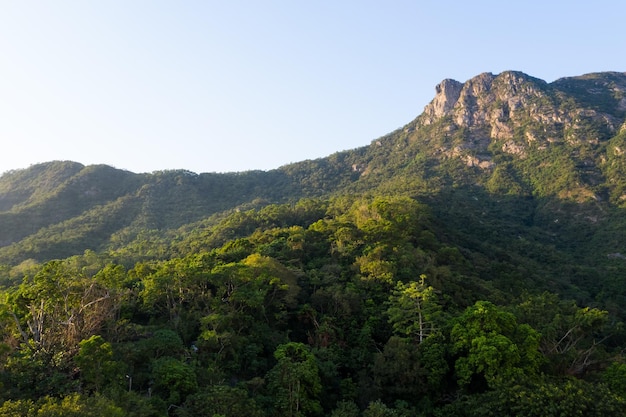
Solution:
(463, 101)
(490, 120)
(447, 94)
(520, 112)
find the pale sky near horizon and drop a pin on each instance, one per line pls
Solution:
(222, 86)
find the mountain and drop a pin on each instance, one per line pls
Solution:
(469, 263)
(559, 145)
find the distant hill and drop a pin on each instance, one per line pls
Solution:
(557, 147)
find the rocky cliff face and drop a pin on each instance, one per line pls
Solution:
(516, 113)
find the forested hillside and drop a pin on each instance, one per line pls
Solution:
(470, 263)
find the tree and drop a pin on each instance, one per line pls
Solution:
(414, 309)
(615, 377)
(18, 408)
(545, 397)
(76, 405)
(294, 381)
(171, 288)
(96, 363)
(571, 336)
(398, 372)
(345, 409)
(59, 307)
(489, 343)
(220, 400)
(173, 380)
(379, 409)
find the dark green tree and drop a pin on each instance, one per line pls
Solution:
(97, 365)
(174, 380)
(489, 344)
(294, 381)
(220, 400)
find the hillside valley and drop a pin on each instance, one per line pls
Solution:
(470, 263)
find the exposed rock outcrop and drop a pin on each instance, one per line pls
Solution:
(448, 92)
(491, 101)
(519, 112)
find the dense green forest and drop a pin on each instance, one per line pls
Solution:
(471, 263)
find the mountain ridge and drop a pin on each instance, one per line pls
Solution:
(509, 134)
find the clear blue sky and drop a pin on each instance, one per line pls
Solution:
(219, 86)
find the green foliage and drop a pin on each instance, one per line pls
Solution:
(346, 409)
(414, 309)
(18, 408)
(378, 409)
(527, 397)
(294, 381)
(490, 344)
(398, 371)
(615, 378)
(505, 181)
(59, 307)
(220, 400)
(299, 319)
(173, 379)
(96, 363)
(571, 335)
(74, 405)
(449, 268)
